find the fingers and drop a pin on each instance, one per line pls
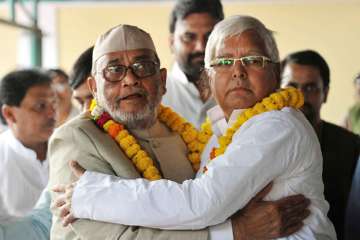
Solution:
(76, 168)
(60, 201)
(60, 188)
(293, 200)
(291, 229)
(65, 210)
(68, 220)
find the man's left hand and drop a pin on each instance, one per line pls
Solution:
(63, 201)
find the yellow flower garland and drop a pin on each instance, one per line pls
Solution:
(288, 97)
(143, 163)
(195, 140)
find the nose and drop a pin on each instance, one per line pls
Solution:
(51, 110)
(130, 79)
(239, 72)
(200, 45)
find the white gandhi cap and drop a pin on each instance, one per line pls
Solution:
(121, 38)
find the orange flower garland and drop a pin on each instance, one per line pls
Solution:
(194, 140)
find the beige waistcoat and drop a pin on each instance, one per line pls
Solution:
(82, 140)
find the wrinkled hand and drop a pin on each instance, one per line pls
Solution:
(261, 219)
(63, 201)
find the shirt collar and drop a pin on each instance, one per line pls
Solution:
(218, 120)
(18, 147)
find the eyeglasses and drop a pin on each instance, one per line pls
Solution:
(141, 69)
(255, 62)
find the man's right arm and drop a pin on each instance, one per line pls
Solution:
(65, 147)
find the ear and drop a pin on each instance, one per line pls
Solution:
(210, 78)
(277, 73)
(326, 91)
(163, 74)
(8, 114)
(171, 42)
(91, 82)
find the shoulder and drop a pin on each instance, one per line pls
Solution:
(332, 131)
(287, 118)
(80, 123)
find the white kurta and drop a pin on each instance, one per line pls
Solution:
(22, 177)
(279, 146)
(184, 98)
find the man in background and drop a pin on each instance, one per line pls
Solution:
(29, 110)
(60, 83)
(308, 71)
(353, 118)
(36, 225)
(78, 80)
(191, 23)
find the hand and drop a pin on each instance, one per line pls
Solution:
(261, 219)
(63, 201)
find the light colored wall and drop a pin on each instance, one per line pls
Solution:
(8, 45)
(331, 28)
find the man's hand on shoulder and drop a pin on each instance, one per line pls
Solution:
(261, 219)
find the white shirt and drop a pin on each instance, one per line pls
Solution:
(184, 98)
(22, 177)
(279, 146)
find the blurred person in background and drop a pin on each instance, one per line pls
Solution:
(78, 80)
(191, 23)
(3, 126)
(308, 71)
(352, 121)
(36, 225)
(60, 82)
(29, 110)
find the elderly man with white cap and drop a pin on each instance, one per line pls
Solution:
(269, 141)
(128, 134)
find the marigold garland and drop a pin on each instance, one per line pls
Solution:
(195, 140)
(288, 97)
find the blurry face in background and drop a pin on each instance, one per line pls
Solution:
(62, 88)
(188, 42)
(307, 79)
(83, 96)
(34, 120)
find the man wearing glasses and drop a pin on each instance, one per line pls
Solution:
(128, 83)
(242, 63)
(308, 71)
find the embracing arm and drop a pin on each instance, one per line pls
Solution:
(66, 146)
(230, 182)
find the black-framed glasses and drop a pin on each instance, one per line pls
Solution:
(141, 69)
(247, 61)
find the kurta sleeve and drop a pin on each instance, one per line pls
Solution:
(258, 154)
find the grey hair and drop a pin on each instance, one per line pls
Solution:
(235, 25)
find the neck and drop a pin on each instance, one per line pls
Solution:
(141, 124)
(39, 148)
(201, 85)
(317, 126)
